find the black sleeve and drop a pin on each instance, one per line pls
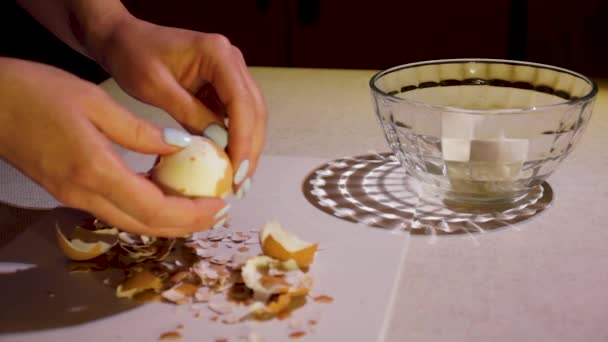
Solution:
(21, 36)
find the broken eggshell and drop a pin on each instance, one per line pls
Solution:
(263, 311)
(146, 248)
(266, 277)
(285, 245)
(137, 283)
(85, 244)
(180, 293)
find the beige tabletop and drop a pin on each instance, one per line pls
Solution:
(542, 280)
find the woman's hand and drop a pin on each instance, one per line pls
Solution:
(166, 67)
(57, 129)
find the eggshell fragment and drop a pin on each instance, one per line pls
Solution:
(139, 282)
(284, 245)
(266, 277)
(252, 273)
(221, 308)
(86, 244)
(170, 336)
(261, 311)
(201, 169)
(180, 293)
(203, 294)
(141, 247)
(147, 296)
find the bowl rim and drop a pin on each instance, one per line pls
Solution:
(586, 98)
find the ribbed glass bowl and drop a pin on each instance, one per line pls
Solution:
(481, 130)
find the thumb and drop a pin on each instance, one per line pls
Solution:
(136, 134)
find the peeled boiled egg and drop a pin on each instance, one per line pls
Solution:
(201, 169)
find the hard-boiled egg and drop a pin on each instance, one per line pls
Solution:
(201, 169)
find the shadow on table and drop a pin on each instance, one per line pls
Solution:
(375, 190)
(14, 220)
(48, 295)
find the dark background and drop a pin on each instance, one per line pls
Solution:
(361, 35)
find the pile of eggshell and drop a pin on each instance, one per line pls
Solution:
(240, 275)
(194, 269)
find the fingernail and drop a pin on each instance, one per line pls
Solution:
(222, 212)
(218, 134)
(243, 189)
(219, 223)
(241, 172)
(176, 137)
(239, 193)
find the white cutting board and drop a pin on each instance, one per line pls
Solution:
(358, 266)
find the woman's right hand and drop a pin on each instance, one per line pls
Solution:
(57, 129)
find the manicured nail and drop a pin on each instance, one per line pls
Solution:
(243, 189)
(176, 137)
(239, 193)
(222, 212)
(219, 223)
(218, 134)
(240, 174)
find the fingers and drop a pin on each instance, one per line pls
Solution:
(105, 175)
(216, 132)
(108, 212)
(259, 133)
(133, 203)
(228, 73)
(191, 112)
(208, 96)
(131, 132)
(107, 188)
(141, 199)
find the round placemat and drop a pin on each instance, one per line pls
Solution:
(375, 190)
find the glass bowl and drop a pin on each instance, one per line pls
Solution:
(481, 130)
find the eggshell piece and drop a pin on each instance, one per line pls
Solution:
(284, 245)
(139, 282)
(85, 244)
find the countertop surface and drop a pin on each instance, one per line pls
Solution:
(541, 280)
(544, 279)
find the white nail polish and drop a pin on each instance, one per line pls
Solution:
(222, 212)
(218, 134)
(240, 174)
(243, 189)
(239, 193)
(219, 224)
(176, 137)
(246, 186)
